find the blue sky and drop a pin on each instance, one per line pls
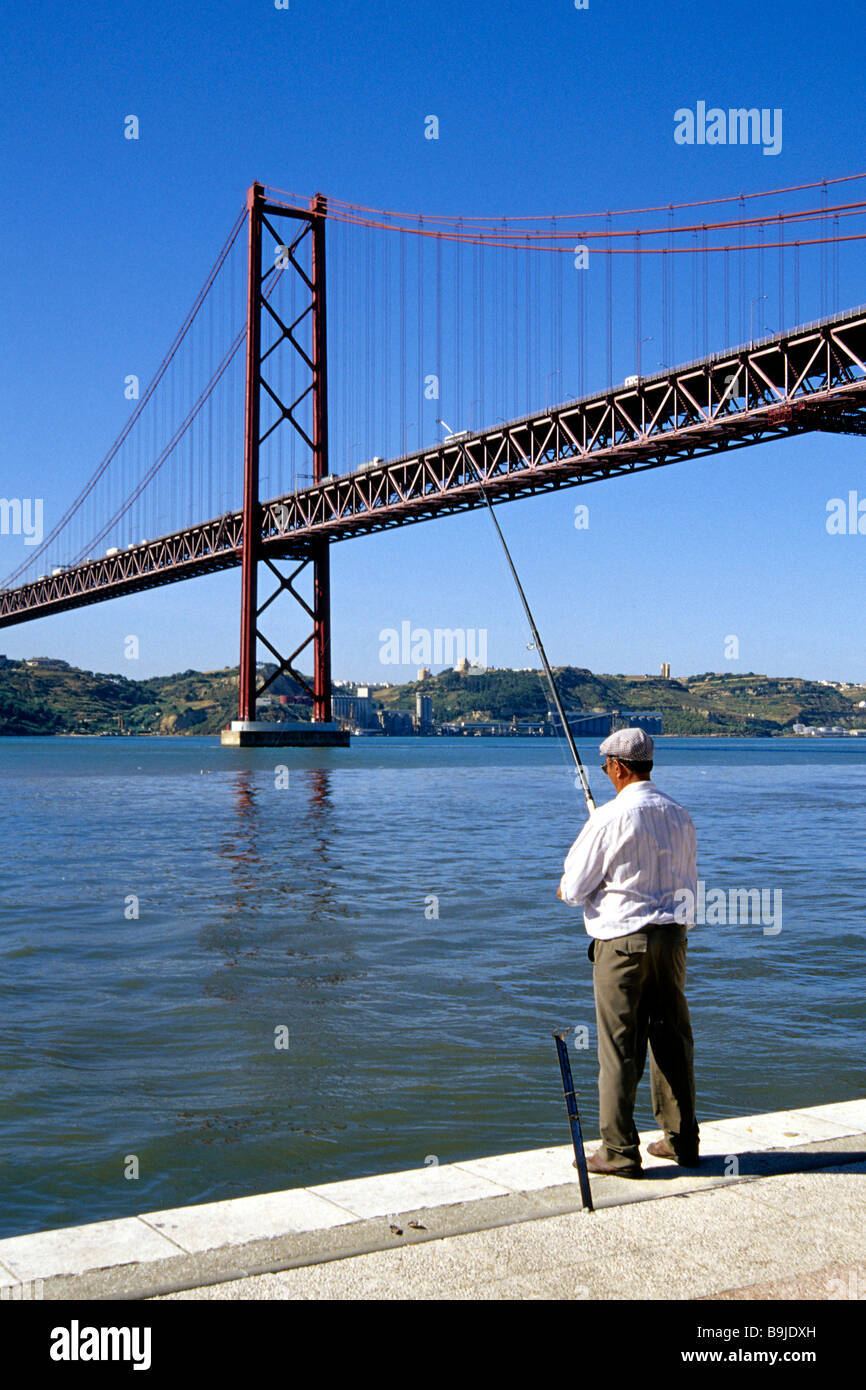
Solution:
(542, 108)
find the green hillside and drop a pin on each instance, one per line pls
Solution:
(60, 699)
(712, 703)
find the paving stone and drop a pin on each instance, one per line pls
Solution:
(851, 1113)
(392, 1193)
(75, 1249)
(526, 1172)
(213, 1224)
(782, 1130)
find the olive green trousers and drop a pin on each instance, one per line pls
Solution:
(639, 983)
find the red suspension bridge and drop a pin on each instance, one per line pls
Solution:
(428, 315)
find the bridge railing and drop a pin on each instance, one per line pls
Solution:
(659, 420)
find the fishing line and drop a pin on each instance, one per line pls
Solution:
(536, 636)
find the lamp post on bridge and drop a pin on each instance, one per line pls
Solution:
(755, 301)
(547, 388)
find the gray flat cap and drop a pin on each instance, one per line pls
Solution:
(631, 744)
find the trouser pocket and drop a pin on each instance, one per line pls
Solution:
(634, 944)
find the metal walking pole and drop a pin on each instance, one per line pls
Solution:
(573, 1117)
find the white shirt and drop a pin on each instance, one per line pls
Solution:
(630, 860)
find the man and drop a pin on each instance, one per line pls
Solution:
(625, 869)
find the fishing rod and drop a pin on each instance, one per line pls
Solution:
(536, 637)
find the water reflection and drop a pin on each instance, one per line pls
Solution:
(279, 850)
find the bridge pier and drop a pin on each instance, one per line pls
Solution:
(256, 734)
(246, 730)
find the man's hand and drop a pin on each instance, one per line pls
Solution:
(559, 893)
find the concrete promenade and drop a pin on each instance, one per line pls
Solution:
(776, 1210)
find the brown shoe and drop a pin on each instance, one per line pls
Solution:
(596, 1163)
(660, 1148)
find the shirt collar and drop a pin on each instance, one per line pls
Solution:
(637, 789)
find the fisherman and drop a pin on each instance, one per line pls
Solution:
(625, 869)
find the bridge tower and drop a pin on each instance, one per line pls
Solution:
(300, 252)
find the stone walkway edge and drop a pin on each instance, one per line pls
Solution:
(188, 1247)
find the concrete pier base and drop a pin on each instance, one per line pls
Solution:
(245, 733)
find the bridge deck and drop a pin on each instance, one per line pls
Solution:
(812, 378)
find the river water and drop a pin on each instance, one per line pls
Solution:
(230, 978)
